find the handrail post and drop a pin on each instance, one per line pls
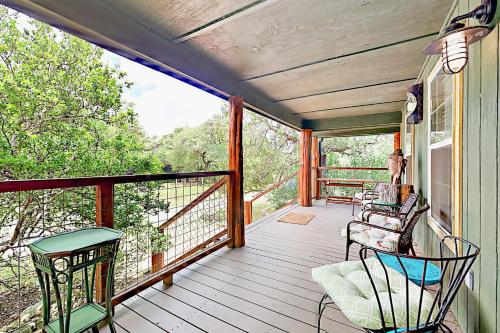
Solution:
(157, 263)
(315, 171)
(305, 198)
(247, 213)
(236, 226)
(104, 217)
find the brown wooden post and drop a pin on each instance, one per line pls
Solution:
(157, 264)
(305, 198)
(315, 168)
(104, 217)
(248, 212)
(397, 140)
(235, 223)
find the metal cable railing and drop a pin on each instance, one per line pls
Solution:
(168, 221)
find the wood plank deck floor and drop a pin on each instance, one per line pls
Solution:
(265, 286)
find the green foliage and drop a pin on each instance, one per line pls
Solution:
(269, 149)
(62, 115)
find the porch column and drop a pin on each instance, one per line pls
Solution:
(397, 140)
(235, 225)
(315, 165)
(305, 198)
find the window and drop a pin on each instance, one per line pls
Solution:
(443, 108)
(409, 153)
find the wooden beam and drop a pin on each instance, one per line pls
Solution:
(235, 223)
(104, 217)
(352, 123)
(305, 198)
(397, 140)
(315, 171)
(358, 131)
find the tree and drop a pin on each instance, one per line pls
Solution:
(269, 149)
(62, 115)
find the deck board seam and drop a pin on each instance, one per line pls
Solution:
(187, 319)
(274, 298)
(264, 307)
(140, 315)
(222, 304)
(267, 277)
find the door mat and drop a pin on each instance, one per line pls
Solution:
(296, 218)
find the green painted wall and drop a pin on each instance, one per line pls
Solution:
(477, 310)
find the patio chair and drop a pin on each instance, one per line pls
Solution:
(394, 236)
(381, 299)
(375, 214)
(369, 194)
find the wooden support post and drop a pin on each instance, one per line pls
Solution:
(235, 223)
(104, 217)
(305, 198)
(157, 264)
(248, 212)
(315, 169)
(397, 140)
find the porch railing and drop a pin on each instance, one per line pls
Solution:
(288, 183)
(169, 221)
(375, 174)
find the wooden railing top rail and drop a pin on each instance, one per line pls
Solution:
(47, 184)
(350, 168)
(278, 184)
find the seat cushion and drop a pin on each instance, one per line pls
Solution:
(380, 220)
(376, 238)
(349, 286)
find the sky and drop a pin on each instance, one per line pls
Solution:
(164, 103)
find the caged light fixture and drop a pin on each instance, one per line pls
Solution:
(453, 42)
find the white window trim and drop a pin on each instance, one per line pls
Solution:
(431, 147)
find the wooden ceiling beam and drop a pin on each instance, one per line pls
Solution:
(353, 123)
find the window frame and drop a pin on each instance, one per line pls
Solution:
(411, 153)
(456, 159)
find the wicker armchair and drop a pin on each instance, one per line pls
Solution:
(369, 194)
(403, 212)
(392, 237)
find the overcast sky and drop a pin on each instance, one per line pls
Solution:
(164, 103)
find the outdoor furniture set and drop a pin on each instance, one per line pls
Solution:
(387, 289)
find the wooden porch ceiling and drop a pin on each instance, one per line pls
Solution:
(304, 63)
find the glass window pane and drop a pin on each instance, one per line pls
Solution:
(441, 107)
(441, 186)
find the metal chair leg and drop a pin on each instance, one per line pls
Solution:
(321, 302)
(347, 249)
(319, 318)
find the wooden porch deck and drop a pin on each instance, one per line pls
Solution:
(265, 286)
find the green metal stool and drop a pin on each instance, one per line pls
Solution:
(57, 258)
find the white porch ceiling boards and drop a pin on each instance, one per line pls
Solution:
(296, 61)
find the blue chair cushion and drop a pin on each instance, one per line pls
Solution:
(414, 269)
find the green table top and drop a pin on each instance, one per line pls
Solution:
(66, 243)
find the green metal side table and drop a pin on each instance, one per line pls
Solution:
(56, 260)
